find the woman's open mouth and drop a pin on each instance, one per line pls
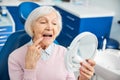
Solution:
(47, 35)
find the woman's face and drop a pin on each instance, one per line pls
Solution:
(47, 28)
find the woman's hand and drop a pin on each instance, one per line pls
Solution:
(86, 69)
(33, 55)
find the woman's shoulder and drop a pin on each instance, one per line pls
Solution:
(19, 52)
(60, 47)
(60, 50)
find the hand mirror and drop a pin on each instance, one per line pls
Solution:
(83, 47)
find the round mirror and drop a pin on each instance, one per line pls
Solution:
(83, 47)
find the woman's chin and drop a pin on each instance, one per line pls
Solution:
(47, 42)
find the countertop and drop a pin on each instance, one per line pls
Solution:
(17, 2)
(81, 11)
(84, 11)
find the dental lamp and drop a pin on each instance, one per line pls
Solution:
(84, 46)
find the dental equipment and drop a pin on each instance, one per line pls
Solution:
(104, 44)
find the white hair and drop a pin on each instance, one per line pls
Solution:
(38, 12)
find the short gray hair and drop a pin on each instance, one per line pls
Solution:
(38, 12)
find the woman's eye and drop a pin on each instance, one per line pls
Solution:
(42, 22)
(54, 23)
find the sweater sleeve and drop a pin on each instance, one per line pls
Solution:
(16, 72)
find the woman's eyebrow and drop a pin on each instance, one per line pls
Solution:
(55, 20)
(42, 18)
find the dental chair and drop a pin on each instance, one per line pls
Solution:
(13, 42)
(24, 9)
(20, 13)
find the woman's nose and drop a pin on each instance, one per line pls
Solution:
(49, 27)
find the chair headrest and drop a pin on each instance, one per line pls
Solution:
(25, 9)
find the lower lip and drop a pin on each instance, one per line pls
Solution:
(47, 38)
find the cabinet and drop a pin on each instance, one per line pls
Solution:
(7, 27)
(74, 25)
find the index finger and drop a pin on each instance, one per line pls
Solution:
(37, 41)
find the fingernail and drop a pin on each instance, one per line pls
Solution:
(87, 60)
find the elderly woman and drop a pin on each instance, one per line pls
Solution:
(41, 59)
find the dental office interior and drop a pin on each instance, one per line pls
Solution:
(100, 17)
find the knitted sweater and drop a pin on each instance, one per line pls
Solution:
(51, 69)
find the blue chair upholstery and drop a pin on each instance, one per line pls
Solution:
(25, 9)
(14, 41)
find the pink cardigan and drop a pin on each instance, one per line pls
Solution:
(50, 69)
